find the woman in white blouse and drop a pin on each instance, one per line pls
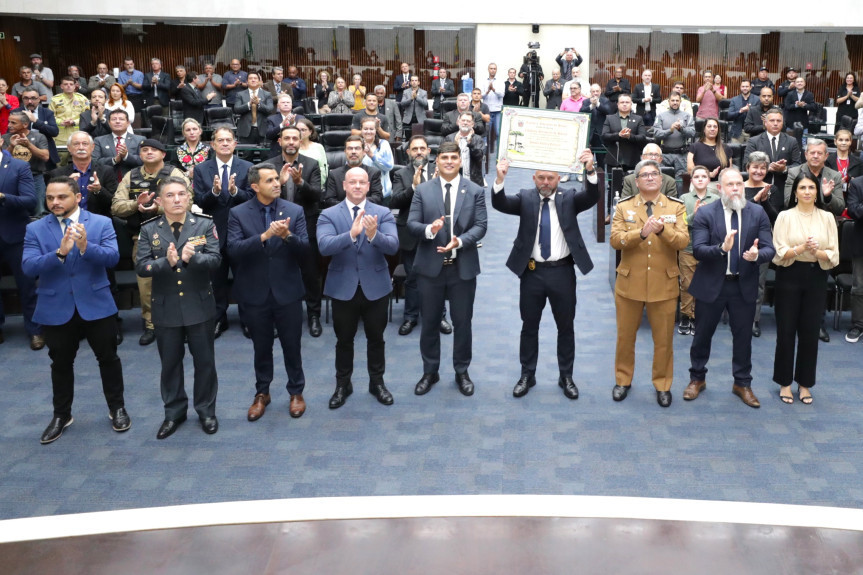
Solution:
(807, 246)
(117, 101)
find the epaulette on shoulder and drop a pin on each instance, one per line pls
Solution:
(153, 219)
(626, 199)
(678, 200)
(208, 216)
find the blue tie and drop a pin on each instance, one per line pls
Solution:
(66, 223)
(545, 230)
(356, 211)
(735, 249)
(268, 215)
(225, 177)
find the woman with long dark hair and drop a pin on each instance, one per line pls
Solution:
(847, 98)
(709, 151)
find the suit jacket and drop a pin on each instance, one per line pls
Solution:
(244, 110)
(625, 88)
(855, 165)
(470, 223)
(414, 106)
(285, 88)
(641, 278)
(93, 82)
(399, 85)
(450, 123)
(99, 203)
(597, 117)
(708, 233)
(638, 94)
(308, 195)
(623, 151)
(854, 200)
(105, 150)
(554, 96)
(566, 66)
(448, 91)
(335, 190)
(393, 114)
(46, 124)
(100, 128)
(735, 117)
(192, 98)
(669, 186)
(361, 263)
(787, 149)
(274, 129)
(16, 183)
(753, 124)
(163, 89)
(218, 207)
(835, 203)
(512, 97)
(793, 113)
(526, 204)
(274, 267)
(476, 149)
(182, 295)
(81, 282)
(401, 198)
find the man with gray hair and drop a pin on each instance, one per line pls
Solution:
(669, 184)
(157, 88)
(276, 85)
(674, 128)
(389, 109)
(831, 180)
(730, 239)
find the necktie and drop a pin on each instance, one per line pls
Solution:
(225, 177)
(356, 211)
(649, 208)
(422, 175)
(289, 189)
(734, 265)
(268, 215)
(176, 227)
(447, 213)
(545, 230)
(773, 144)
(117, 167)
(66, 223)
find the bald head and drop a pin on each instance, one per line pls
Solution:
(356, 185)
(652, 152)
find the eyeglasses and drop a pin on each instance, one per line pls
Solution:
(652, 155)
(648, 175)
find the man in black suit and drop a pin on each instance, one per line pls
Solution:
(442, 87)
(553, 91)
(513, 89)
(799, 104)
(447, 262)
(283, 118)
(623, 135)
(402, 81)
(783, 151)
(544, 262)
(753, 124)
(598, 106)
(95, 120)
(646, 96)
(472, 148)
(119, 150)
(462, 105)
(42, 120)
(96, 183)
(617, 86)
(335, 191)
(300, 181)
(157, 87)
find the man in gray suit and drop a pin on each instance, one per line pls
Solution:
(390, 110)
(414, 105)
(120, 149)
(253, 106)
(816, 155)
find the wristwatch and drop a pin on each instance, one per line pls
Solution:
(61, 257)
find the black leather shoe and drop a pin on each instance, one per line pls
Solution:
(169, 426)
(246, 333)
(619, 392)
(210, 425)
(221, 327)
(568, 386)
(120, 420)
(2, 338)
(315, 329)
(823, 335)
(426, 382)
(407, 327)
(465, 385)
(119, 335)
(341, 395)
(37, 342)
(523, 385)
(445, 327)
(382, 394)
(663, 398)
(756, 330)
(148, 337)
(55, 429)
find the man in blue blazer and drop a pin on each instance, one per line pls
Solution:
(730, 239)
(221, 183)
(547, 246)
(43, 121)
(267, 240)
(448, 217)
(17, 203)
(69, 252)
(358, 235)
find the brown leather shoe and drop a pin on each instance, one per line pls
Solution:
(693, 389)
(745, 394)
(298, 406)
(259, 406)
(37, 342)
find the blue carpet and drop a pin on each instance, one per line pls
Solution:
(441, 443)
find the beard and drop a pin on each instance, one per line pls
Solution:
(733, 202)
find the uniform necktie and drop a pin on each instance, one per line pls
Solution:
(649, 208)
(447, 213)
(773, 144)
(734, 264)
(225, 177)
(176, 227)
(545, 230)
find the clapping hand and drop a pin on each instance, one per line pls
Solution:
(453, 244)
(188, 252)
(751, 254)
(729, 241)
(96, 185)
(827, 186)
(653, 225)
(437, 225)
(357, 226)
(172, 255)
(761, 195)
(370, 225)
(144, 199)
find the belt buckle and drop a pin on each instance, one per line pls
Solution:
(448, 261)
(531, 264)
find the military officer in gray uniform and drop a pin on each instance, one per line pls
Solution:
(179, 250)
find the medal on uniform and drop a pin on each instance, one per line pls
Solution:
(155, 236)
(156, 243)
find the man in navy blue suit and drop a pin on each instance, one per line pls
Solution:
(267, 240)
(730, 239)
(17, 203)
(358, 235)
(221, 183)
(69, 251)
(547, 246)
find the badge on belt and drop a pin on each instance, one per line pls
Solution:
(531, 264)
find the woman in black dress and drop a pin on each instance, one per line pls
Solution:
(709, 151)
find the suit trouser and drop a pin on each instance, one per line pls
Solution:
(219, 279)
(660, 314)
(557, 285)
(434, 291)
(799, 302)
(686, 262)
(346, 318)
(63, 341)
(12, 255)
(412, 296)
(145, 289)
(169, 340)
(311, 270)
(288, 320)
(857, 292)
(708, 314)
(762, 284)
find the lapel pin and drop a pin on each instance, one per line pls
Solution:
(191, 220)
(280, 213)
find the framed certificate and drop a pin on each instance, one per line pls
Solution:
(543, 139)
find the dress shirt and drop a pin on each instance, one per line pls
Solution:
(362, 207)
(83, 182)
(493, 99)
(219, 165)
(453, 192)
(559, 249)
(648, 91)
(73, 216)
(727, 211)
